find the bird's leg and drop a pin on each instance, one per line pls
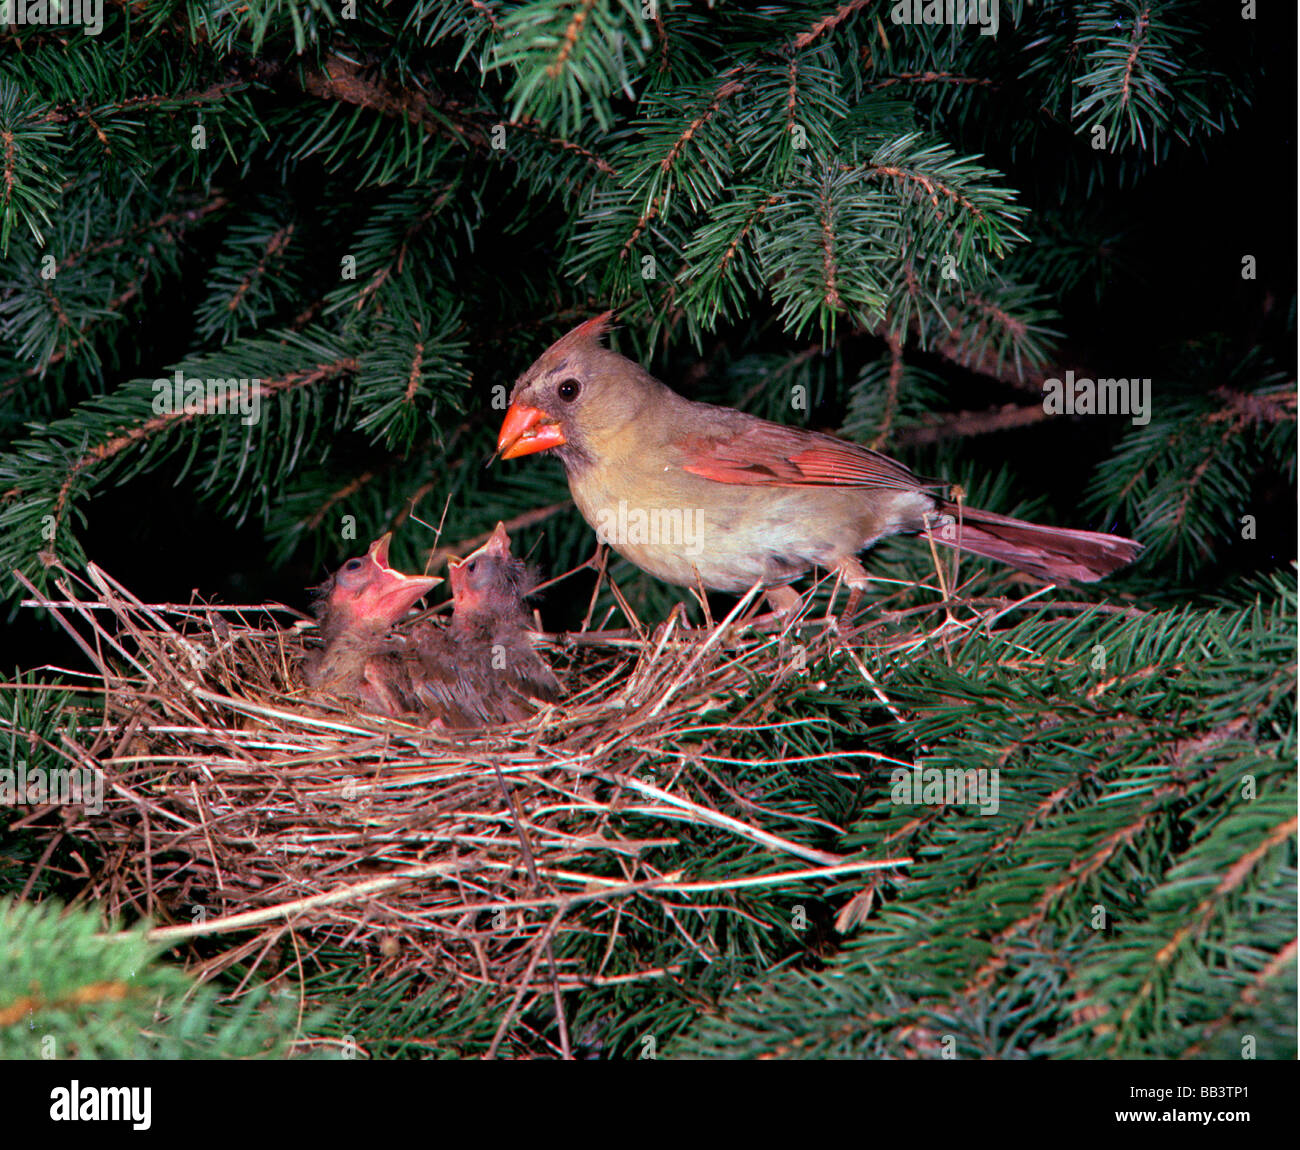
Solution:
(855, 577)
(702, 596)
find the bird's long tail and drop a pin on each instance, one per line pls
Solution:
(1056, 554)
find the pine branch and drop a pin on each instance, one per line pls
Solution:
(69, 991)
(1083, 921)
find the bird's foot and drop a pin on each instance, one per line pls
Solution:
(783, 600)
(682, 616)
(784, 605)
(678, 620)
(854, 576)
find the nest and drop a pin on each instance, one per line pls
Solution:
(239, 809)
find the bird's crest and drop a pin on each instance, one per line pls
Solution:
(589, 332)
(583, 338)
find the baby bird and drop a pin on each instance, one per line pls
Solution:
(484, 663)
(362, 659)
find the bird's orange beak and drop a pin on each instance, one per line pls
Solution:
(526, 430)
(390, 594)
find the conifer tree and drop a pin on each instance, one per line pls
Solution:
(855, 216)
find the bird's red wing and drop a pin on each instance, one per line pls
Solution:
(767, 453)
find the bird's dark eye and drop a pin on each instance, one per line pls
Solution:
(568, 390)
(471, 565)
(353, 565)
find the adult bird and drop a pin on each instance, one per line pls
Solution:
(699, 494)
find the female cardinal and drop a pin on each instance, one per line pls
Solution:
(484, 663)
(694, 493)
(362, 659)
